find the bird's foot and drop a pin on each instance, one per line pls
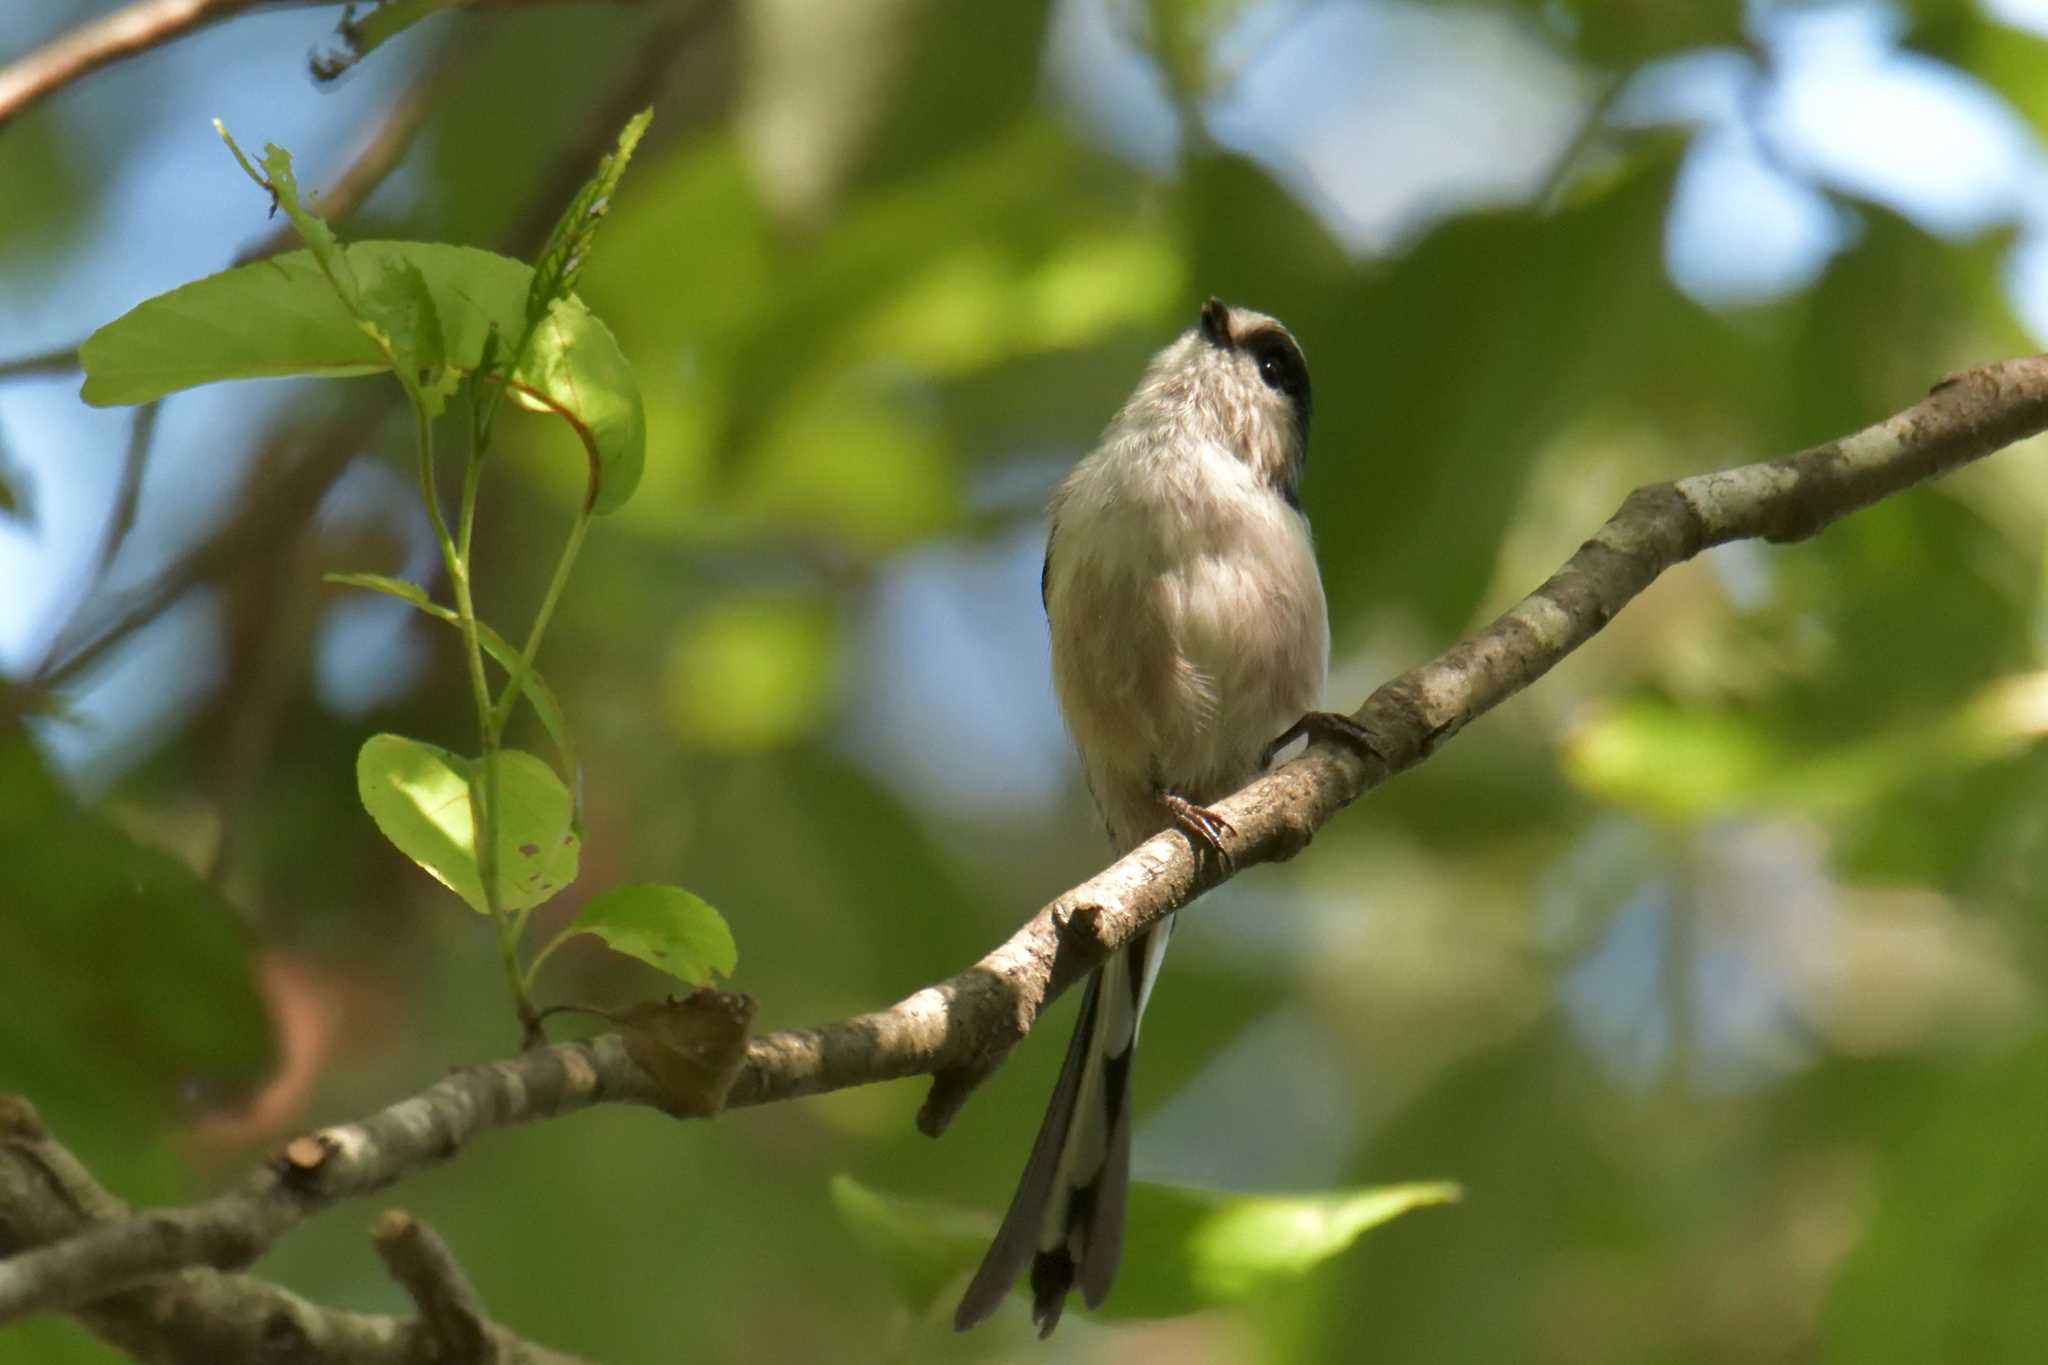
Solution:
(1331, 725)
(1203, 827)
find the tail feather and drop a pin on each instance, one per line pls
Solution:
(1067, 1218)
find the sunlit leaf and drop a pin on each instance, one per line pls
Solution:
(567, 250)
(663, 926)
(574, 368)
(926, 1247)
(399, 310)
(1200, 1247)
(1690, 763)
(283, 317)
(278, 177)
(1204, 1247)
(419, 795)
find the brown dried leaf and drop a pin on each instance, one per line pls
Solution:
(692, 1047)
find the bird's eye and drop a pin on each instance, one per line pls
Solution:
(1273, 369)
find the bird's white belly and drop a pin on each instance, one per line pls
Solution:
(1182, 648)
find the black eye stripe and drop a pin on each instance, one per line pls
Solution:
(1275, 351)
(1280, 365)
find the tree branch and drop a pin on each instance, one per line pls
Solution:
(96, 43)
(960, 1030)
(204, 1317)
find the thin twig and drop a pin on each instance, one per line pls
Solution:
(121, 516)
(63, 360)
(74, 647)
(657, 60)
(1550, 193)
(960, 1030)
(131, 29)
(450, 1311)
(382, 149)
(276, 504)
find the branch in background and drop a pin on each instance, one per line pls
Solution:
(133, 28)
(63, 360)
(204, 1317)
(960, 1030)
(452, 1327)
(78, 643)
(449, 1310)
(277, 502)
(383, 147)
(659, 55)
(121, 517)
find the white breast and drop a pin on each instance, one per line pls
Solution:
(1188, 626)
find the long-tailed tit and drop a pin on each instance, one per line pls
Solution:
(1188, 633)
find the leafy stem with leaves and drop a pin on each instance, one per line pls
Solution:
(501, 830)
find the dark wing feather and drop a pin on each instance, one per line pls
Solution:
(1045, 573)
(1017, 1241)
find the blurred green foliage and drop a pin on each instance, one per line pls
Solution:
(1710, 970)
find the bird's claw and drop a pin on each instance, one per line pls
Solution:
(1203, 827)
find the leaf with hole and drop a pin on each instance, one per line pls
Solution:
(419, 795)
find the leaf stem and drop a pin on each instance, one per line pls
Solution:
(569, 931)
(483, 784)
(517, 680)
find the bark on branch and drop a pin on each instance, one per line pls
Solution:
(958, 1031)
(200, 1316)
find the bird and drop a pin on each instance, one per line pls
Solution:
(1190, 640)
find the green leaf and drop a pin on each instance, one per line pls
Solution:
(663, 926)
(278, 178)
(568, 246)
(361, 37)
(1946, 1261)
(283, 317)
(129, 979)
(419, 795)
(1203, 1248)
(535, 688)
(923, 1246)
(574, 368)
(1195, 1248)
(398, 310)
(1688, 763)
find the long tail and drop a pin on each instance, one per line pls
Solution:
(1067, 1217)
